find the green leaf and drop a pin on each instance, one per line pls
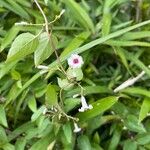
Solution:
(137, 62)
(38, 113)
(64, 84)
(44, 126)
(22, 46)
(3, 120)
(115, 139)
(121, 25)
(130, 145)
(96, 138)
(19, 103)
(132, 124)
(137, 91)
(44, 48)
(14, 7)
(15, 75)
(9, 37)
(31, 133)
(143, 139)
(75, 73)
(78, 73)
(43, 143)
(3, 136)
(122, 56)
(79, 14)
(8, 146)
(89, 90)
(5, 68)
(136, 35)
(84, 143)
(20, 144)
(67, 132)
(12, 93)
(107, 17)
(21, 129)
(75, 43)
(51, 96)
(96, 147)
(145, 108)
(24, 3)
(127, 43)
(120, 109)
(32, 103)
(18, 9)
(98, 107)
(71, 103)
(106, 22)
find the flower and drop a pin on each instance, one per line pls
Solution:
(75, 61)
(76, 128)
(85, 106)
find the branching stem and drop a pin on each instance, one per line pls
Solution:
(50, 37)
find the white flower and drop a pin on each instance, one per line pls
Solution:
(76, 128)
(75, 61)
(85, 106)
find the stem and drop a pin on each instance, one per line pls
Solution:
(138, 10)
(49, 35)
(46, 22)
(56, 54)
(67, 116)
(60, 95)
(54, 48)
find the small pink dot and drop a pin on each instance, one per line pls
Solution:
(75, 61)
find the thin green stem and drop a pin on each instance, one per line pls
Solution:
(46, 22)
(50, 37)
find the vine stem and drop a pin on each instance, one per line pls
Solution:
(50, 37)
(54, 48)
(67, 116)
(46, 22)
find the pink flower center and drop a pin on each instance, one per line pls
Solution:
(75, 61)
